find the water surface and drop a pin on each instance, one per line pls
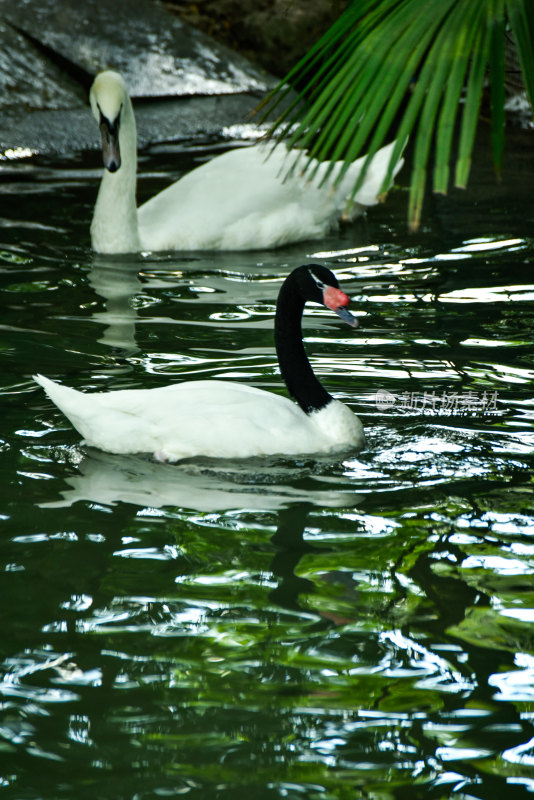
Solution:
(286, 627)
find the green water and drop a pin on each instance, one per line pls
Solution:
(291, 628)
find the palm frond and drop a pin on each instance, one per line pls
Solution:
(406, 68)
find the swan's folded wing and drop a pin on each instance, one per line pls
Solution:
(255, 197)
(218, 418)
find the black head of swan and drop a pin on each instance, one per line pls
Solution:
(225, 419)
(244, 199)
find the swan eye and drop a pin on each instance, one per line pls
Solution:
(320, 285)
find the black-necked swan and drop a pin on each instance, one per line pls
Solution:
(240, 200)
(221, 418)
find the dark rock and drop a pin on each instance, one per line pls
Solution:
(273, 33)
(51, 50)
(158, 54)
(29, 80)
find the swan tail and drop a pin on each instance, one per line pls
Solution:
(73, 404)
(112, 421)
(373, 187)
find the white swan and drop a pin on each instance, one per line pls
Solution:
(240, 200)
(221, 418)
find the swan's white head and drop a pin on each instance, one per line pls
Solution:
(108, 98)
(107, 95)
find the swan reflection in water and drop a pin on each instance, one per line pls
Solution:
(118, 284)
(260, 485)
(121, 280)
(200, 485)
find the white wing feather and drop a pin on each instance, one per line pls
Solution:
(244, 199)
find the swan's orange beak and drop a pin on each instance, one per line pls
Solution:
(111, 153)
(337, 301)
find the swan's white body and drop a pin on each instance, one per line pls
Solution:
(241, 200)
(204, 418)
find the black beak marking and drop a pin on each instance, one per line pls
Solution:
(109, 130)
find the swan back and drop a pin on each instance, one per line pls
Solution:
(256, 197)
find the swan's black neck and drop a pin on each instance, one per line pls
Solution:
(296, 370)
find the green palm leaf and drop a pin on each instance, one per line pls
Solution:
(406, 68)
